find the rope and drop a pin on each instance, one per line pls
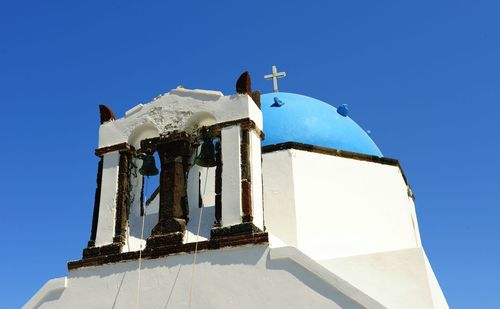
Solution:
(140, 248)
(196, 244)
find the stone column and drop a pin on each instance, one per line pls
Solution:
(112, 198)
(174, 152)
(218, 185)
(246, 179)
(122, 199)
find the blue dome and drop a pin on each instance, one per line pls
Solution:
(290, 117)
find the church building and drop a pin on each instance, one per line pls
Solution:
(279, 200)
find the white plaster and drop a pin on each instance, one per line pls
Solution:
(200, 94)
(397, 279)
(199, 120)
(48, 293)
(279, 197)
(173, 111)
(141, 132)
(414, 221)
(244, 277)
(207, 220)
(200, 178)
(231, 176)
(107, 205)
(356, 219)
(255, 114)
(256, 175)
(133, 110)
(343, 206)
(324, 274)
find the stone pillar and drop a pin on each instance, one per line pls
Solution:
(107, 204)
(218, 185)
(112, 198)
(122, 199)
(246, 179)
(174, 152)
(239, 155)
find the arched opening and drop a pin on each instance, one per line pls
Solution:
(141, 132)
(143, 201)
(199, 120)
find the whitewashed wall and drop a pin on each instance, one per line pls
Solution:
(256, 174)
(247, 277)
(200, 179)
(107, 204)
(279, 196)
(341, 206)
(231, 175)
(179, 109)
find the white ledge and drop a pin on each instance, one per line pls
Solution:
(51, 290)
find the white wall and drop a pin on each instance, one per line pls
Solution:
(107, 205)
(207, 214)
(245, 277)
(279, 196)
(231, 175)
(343, 206)
(396, 279)
(256, 174)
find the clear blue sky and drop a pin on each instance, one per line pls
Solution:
(423, 76)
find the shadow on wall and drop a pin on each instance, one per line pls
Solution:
(313, 282)
(212, 257)
(51, 296)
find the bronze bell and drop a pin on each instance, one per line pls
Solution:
(148, 165)
(206, 158)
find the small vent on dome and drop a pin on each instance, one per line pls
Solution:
(343, 110)
(277, 102)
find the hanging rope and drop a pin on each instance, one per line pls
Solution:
(140, 248)
(196, 244)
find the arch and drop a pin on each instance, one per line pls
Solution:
(198, 120)
(143, 131)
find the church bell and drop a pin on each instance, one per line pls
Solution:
(206, 158)
(148, 165)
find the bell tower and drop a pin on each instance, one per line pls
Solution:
(204, 151)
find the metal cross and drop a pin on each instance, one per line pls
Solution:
(274, 76)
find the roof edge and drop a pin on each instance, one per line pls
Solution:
(335, 152)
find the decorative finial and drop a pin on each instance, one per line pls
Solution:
(274, 76)
(106, 113)
(244, 84)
